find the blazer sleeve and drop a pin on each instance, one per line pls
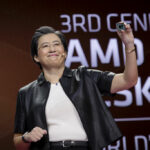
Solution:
(20, 117)
(103, 80)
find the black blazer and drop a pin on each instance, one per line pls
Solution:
(85, 88)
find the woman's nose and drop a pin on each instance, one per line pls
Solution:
(52, 47)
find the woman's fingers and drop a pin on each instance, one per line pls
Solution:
(126, 35)
(35, 135)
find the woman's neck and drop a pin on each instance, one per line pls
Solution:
(54, 74)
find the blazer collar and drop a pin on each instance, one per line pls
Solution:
(41, 79)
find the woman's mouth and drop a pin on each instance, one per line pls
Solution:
(52, 55)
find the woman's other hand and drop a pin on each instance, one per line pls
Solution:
(35, 134)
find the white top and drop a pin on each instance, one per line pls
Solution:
(62, 118)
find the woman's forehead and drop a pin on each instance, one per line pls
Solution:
(50, 37)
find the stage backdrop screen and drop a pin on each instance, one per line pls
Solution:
(90, 30)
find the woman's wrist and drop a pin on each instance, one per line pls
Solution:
(24, 139)
(128, 51)
(129, 46)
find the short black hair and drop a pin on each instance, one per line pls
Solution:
(40, 32)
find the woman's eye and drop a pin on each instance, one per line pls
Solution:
(46, 45)
(56, 44)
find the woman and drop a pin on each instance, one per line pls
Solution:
(63, 107)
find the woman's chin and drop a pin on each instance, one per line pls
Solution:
(54, 65)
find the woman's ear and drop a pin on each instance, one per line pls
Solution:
(65, 54)
(36, 58)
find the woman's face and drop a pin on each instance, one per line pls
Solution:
(51, 52)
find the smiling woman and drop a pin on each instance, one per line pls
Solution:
(64, 107)
(47, 39)
(51, 52)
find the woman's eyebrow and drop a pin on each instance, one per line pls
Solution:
(49, 42)
(55, 41)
